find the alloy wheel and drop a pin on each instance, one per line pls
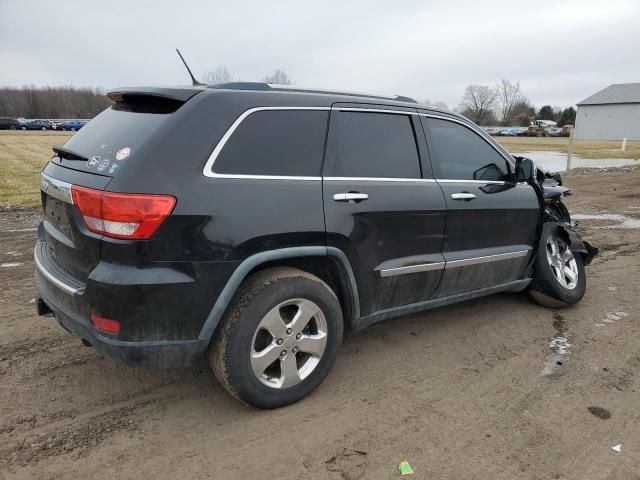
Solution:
(562, 262)
(289, 343)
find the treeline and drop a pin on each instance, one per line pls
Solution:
(52, 102)
(505, 104)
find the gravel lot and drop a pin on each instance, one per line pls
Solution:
(498, 388)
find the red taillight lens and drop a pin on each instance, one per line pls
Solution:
(105, 324)
(122, 215)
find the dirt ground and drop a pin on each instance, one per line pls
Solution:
(497, 388)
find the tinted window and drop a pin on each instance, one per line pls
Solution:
(375, 145)
(463, 154)
(276, 142)
(114, 130)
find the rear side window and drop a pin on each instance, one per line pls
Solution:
(463, 155)
(276, 142)
(379, 145)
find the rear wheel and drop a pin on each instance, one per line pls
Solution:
(73, 129)
(559, 277)
(12, 127)
(43, 128)
(278, 339)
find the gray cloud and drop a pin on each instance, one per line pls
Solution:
(560, 51)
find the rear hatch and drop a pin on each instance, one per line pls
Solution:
(92, 158)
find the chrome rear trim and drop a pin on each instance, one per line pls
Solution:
(56, 188)
(51, 277)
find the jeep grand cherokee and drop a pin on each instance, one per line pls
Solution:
(253, 225)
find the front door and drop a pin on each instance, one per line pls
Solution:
(491, 221)
(382, 208)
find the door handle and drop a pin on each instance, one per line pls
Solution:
(463, 196)
(351, 197)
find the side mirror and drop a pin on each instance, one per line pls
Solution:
(525, 170)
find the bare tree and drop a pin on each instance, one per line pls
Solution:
(219, 75)
(509, 94)
(441, 106)
(478, 102)
(279, 77)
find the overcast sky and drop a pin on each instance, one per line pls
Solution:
(561, 51)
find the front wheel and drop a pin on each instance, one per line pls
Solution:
(278, 338)
(559, 277)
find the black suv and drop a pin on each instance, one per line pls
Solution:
(256, 224)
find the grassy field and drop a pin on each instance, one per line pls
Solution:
(22, 155)
(595, 149)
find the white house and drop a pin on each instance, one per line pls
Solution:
(610, 114)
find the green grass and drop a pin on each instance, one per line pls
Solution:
(23, 154)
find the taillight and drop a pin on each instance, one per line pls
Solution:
(131, 216)
(105, 324)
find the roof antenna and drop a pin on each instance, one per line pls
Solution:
(194, 82)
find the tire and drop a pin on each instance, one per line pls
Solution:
(12, 127)
(43, 128)
(553, 286)
(73, 129)
(242, 336)
(23, 128)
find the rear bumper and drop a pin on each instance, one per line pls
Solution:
(70, 305)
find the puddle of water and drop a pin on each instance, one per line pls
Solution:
(557, 161)
(611, 317)
(11, 264)
(621, 220)
(554, 363)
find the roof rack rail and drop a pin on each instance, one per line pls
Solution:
(261, 86)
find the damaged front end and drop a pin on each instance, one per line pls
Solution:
(550, 192)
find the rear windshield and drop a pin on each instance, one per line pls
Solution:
(112, 138)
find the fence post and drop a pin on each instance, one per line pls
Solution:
(624, 144)
(570, 150)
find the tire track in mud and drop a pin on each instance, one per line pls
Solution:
(76, 436)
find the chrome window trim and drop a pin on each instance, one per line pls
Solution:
(481, 133)
(380, 179)
(207, 171)
(427, 267)
(373, 110)
(56, 188)
(53, 279)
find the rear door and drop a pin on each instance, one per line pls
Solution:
(382, 208)
(491, 222)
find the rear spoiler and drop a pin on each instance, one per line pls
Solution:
(166, 93)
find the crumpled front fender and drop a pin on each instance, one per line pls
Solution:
(577, 244)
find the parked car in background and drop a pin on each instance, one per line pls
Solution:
(36, 125)
(9, 123)
(554, 132)
(510, 132)
(71, 125)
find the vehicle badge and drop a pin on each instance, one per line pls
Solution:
(93, 161)
(123, 153)
(104, 163)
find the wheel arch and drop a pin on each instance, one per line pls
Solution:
(328, 263)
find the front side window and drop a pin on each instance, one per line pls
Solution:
(379, 145)
(463, 155)
(276, 142)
